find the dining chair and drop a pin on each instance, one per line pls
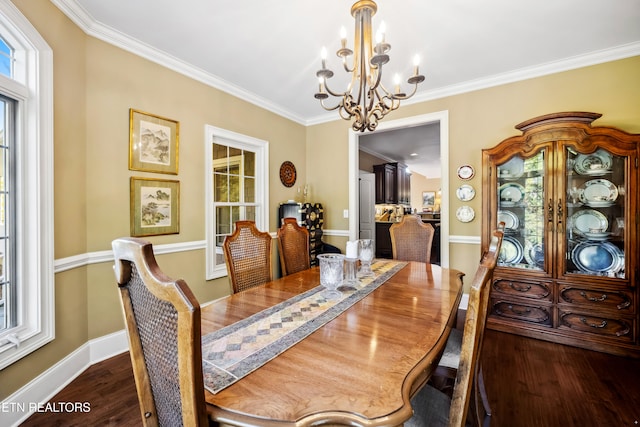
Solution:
(247, 252)
(411, 239)
(433, 407)
(445, 372)
(293, 247)
(162, 318)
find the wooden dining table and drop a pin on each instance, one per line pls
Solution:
(359, 369)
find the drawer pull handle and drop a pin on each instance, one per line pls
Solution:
(594, 325)
(593, 299)
(519, 288)
(624, 304)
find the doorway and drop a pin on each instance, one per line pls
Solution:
(442, 118)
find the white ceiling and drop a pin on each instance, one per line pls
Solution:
(418, 147)
(267, 51)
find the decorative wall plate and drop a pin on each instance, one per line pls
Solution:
(287, 174)
(465, 192)
(466, 172)
(465, 214)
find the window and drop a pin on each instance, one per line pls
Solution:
(237, 189)
(7, 215)
(26, 189)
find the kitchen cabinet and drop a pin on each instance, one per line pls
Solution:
(392, 184)
(386, 183)
(568, 268)
(383, 240)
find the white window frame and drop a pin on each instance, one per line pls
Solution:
(261, 150)
(32, 88)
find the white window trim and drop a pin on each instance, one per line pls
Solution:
(236, 140)
(33, 89)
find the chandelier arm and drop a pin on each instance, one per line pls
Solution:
(373, 101)
(335, 107)
(386, 98)
(405, 96)
(377, 69)
(387, 93)
(350, 107)
(346, 67)
(332, 93)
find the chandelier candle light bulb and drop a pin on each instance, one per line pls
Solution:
(366, 99)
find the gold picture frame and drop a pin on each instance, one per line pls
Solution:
(155, 207)
(153, 143)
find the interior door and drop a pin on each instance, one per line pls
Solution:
(367, 206)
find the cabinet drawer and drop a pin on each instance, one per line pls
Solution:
(540, 315)
(620, 329)
(539, 291)
(597, 298)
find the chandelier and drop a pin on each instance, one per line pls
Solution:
(366, 100)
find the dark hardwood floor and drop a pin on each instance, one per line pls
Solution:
(530, 383)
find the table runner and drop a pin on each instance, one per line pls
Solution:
(234, 351)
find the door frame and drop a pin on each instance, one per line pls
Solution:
(441, 117)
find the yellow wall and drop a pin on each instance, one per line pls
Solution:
(482, 119)
(419, 184)
(95, 84)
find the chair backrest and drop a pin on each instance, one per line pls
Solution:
(248, 254)
(163, 324)
(411, 239)
(466, 394)
(293, 247)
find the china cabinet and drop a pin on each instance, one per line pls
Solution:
(567, 192)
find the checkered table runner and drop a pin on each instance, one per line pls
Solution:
(236, 350)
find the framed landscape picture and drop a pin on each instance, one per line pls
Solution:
(153, 143)
(428, 198)
(155, 207)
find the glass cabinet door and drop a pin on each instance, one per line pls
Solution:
(521, 206)
(595, 186)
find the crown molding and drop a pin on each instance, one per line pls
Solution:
(572, 63)
(82, 19)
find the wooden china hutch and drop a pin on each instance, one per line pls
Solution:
(568, 268)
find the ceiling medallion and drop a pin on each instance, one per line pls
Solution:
(366, 100)
(287, 174)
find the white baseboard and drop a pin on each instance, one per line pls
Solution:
(16, 408)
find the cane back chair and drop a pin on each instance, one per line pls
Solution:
(163, 325)
(293, 247)
(433, 407)
(247, 252)
(411, 239)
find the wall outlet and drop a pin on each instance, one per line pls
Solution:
(345, 213)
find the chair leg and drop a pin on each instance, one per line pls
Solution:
(483, 396)
(444, 379)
